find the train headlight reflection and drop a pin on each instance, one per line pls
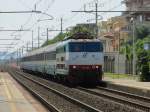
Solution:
(74, 67)
(97, 66)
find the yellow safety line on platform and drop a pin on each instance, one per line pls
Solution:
(9, 95)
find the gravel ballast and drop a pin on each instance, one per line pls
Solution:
(100, 103)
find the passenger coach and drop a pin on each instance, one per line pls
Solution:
(74, 60)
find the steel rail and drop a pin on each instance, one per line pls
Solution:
(49, 106)
(125, 101)
(130, 95)
(73, 100)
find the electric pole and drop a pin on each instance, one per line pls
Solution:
(27, 46)
(19, 53)
(17, 57)
(38, 37)
(47, 35)
(22, 50)
(105, 11)
(133, 47)
(61, 25)
(96, 17)
(32, 39)
(61, 29)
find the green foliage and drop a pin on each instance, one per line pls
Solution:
(142, 31)
(142, 35)
(127, 50)
(145, 75)
(139, 48)
(61, 36)
(80, 29)
(58, 38)
(143, 57)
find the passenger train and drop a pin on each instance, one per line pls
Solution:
(74, 61)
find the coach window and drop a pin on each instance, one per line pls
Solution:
(51, 55)
(62, 59)
(29, 58)
(64, 48)
(41, 56)
(38, 57)
(35, 57)
(61, 49)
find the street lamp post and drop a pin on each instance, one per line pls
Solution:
(118, 52)
(133, 36)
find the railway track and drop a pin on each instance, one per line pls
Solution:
(21, 78)
(100, 103)
(125, 94)
(136, 101)
(49, 106)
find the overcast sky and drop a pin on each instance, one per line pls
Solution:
(56, 8)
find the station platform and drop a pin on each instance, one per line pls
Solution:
(129, 85)
(14, 98)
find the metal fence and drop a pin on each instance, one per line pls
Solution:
(117, 63)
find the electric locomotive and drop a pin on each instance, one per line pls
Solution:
(74, 61)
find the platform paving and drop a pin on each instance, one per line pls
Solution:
(14, 98)
(130, 85)
(128, 82)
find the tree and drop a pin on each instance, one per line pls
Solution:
(57, 38)
(143, 59)
(142, 31)
(127, 50)
(62, 36)
(143, 56)
(80, 29)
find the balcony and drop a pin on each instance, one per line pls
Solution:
(109, 35)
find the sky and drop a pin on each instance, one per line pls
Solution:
(56, 8)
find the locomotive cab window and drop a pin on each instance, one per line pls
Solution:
(85, 47)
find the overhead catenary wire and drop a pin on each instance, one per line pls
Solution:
(77, 13)
(30, 17)
(34, 24)
(49, 5)
(40, 17)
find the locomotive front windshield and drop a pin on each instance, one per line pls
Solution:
(85, 47)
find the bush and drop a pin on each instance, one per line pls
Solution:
(145, 74)
(143, 57)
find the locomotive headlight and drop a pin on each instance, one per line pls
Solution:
(74, 67)
(97, 67)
